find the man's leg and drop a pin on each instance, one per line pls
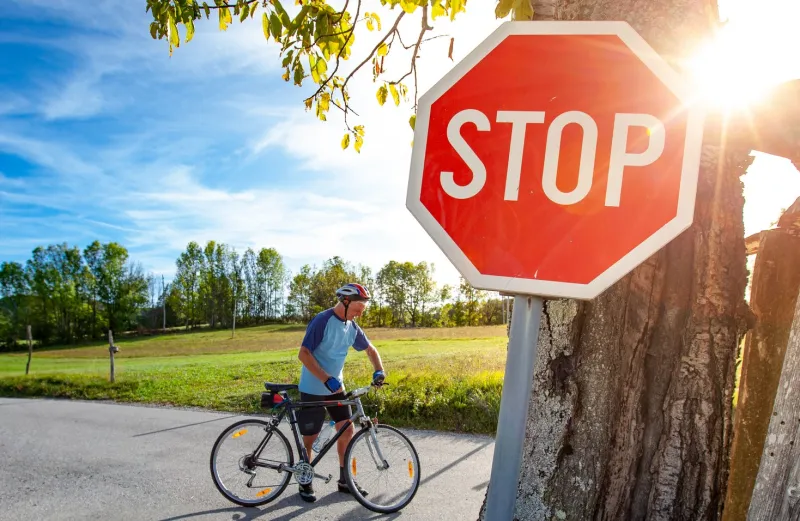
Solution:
(344, 440)
(309, 423)
(308, 441)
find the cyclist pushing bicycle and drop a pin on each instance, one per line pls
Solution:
(329, 337)
(252, 461)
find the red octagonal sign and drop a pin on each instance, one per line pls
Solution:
(555, 158)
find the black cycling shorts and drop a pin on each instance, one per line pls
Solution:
(310, 420)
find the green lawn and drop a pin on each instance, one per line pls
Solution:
(446, 379)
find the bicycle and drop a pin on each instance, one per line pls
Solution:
(371, 450)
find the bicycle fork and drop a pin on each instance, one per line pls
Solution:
(380, 466)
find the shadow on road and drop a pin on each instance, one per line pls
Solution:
(457, 461)
(290, 499)
(184, 426)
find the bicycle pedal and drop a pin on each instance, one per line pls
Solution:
(323, 478)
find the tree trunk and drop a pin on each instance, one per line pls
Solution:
(630, 413)
(777, 490)
(776, 281)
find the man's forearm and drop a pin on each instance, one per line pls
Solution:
(375, 358)
(308, 360)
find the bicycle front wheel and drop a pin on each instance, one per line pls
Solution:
(239, 473)
(382, 462)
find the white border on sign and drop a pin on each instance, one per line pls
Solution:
(688, 185)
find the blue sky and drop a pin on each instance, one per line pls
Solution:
(104, 136)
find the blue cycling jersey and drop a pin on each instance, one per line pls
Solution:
(329, 339)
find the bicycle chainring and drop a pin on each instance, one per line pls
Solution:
(304, 473)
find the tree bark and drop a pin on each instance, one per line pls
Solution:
(630, 414)
(776, 281)
(776, 496)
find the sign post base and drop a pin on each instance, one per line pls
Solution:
(517, 383)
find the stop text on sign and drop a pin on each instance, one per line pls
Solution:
(520, 119)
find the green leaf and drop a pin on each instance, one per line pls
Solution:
(265, 25)
(412, 121)
(288, 58)
(395, 94)
(284, 16)
(174, 35)
(189, 30)
(503, 8)
(346, 141)
(275, 27)
(299, 73)
(383, 49)
(359, 142)
(207, 10)
(153, 29)
(244, 13)
(312, 66)
(382, 95)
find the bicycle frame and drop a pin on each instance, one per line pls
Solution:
(291, 407)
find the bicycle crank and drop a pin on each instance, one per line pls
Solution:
(304, 474)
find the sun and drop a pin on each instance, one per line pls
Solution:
(746, 58)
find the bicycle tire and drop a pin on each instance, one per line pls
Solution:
(276, 434)
(351, 483)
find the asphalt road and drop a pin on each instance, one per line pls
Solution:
(88, 460)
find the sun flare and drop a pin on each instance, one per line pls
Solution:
(744, 61)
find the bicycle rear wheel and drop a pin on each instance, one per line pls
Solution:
(233, 463)
(383, 463)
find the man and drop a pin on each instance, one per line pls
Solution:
(328, 339)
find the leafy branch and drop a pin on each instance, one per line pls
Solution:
(317, 38)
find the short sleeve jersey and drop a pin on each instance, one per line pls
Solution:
(329, 339)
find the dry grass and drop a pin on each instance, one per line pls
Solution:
(255, 339)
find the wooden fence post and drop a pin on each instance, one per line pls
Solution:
(111, 350)
(776, 496)
(30, 350)
(776, 281)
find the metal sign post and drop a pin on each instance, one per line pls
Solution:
(522, 349)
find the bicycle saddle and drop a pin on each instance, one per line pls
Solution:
(279, 387)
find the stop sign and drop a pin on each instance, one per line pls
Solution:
(555, 158)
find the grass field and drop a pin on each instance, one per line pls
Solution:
(445, 379)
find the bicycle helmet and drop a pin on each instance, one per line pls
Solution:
(353, 292)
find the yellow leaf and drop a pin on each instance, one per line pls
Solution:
(383, 49)
(503, 8)
(408, 6)
(377, 20)
(395, 94)
(359, 142)
(224, 18)
(346, 141)
(438, 9)
(412, 121)
(523, 10)
(456, 6)
(370, 26)
(382, 94)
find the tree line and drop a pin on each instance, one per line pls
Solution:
(69, 295)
